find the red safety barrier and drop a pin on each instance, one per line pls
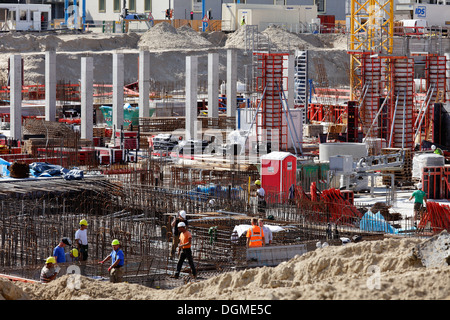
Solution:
(437, 216)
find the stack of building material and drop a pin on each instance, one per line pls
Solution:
(403, 175)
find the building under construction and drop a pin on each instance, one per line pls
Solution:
(101, 153)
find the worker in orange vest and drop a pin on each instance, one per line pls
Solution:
(255, 235)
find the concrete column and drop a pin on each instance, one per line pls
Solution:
(231, 82)
(191, 96)
(118, 83)
(144, 83)
(213, 85)
(15, 74)
(87, 98)
(50, 86)
(290, 89)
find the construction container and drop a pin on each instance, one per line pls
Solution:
(234, 15)
(278, 174)
(273, 255)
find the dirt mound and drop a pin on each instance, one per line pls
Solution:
(9, 291)
(380, 270)
(164, 36)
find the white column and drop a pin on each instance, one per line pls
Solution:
(50, 86)
(213, 85)
(231, 82)
(87, 98)
(191, 96)
(15, 73)
(290, 89)
(118, 83)
(144, 83)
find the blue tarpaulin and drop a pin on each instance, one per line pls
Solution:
(376, 222)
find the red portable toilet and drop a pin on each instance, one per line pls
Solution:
(278, 174)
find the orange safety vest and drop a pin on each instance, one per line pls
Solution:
(255, 233)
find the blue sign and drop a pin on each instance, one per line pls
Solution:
(421, 12)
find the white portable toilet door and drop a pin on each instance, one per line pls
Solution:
(36, 20)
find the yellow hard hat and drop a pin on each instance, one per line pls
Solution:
(74, 252)
(115, 242)
(83, 222)
(50, 260)
(258, 182)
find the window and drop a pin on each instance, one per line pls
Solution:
(242, 1)
(23, 15)
(320, 5)
(132, 5)
(147, 5)
(101, 6)
(117, 6)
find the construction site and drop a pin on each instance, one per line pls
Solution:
(127, 130)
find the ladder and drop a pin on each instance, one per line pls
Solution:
(301, 81)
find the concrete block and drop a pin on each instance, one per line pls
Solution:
(273, 255)
(434, 252)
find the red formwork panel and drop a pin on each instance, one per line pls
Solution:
(432, 182)
(446, 182)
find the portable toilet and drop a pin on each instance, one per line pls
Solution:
(278, 174)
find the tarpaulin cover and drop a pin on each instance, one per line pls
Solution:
(375, 222)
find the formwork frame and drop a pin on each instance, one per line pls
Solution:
(270, 80)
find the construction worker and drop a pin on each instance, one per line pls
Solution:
(81, 240)
(437, 150)
(255, 235)
(59, 252)
(184, 250)
(181, 217)
(266, 231)
(72, 255)
(48, 272)
(261, 196)
(118, 261)
(419, 198)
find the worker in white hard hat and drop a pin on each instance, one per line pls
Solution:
(184, 250)
(437, 150)
(180, 217)
(81, 240)
(419, 199)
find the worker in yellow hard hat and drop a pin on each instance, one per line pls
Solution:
(261, 196)
(72, 255)
(81, 240)
(118, 262)
(49, 272)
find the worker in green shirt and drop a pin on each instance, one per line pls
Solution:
(419, 198)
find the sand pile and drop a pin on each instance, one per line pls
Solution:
(164, 36)
(366, 270)
(283, 40)
(22, 43)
